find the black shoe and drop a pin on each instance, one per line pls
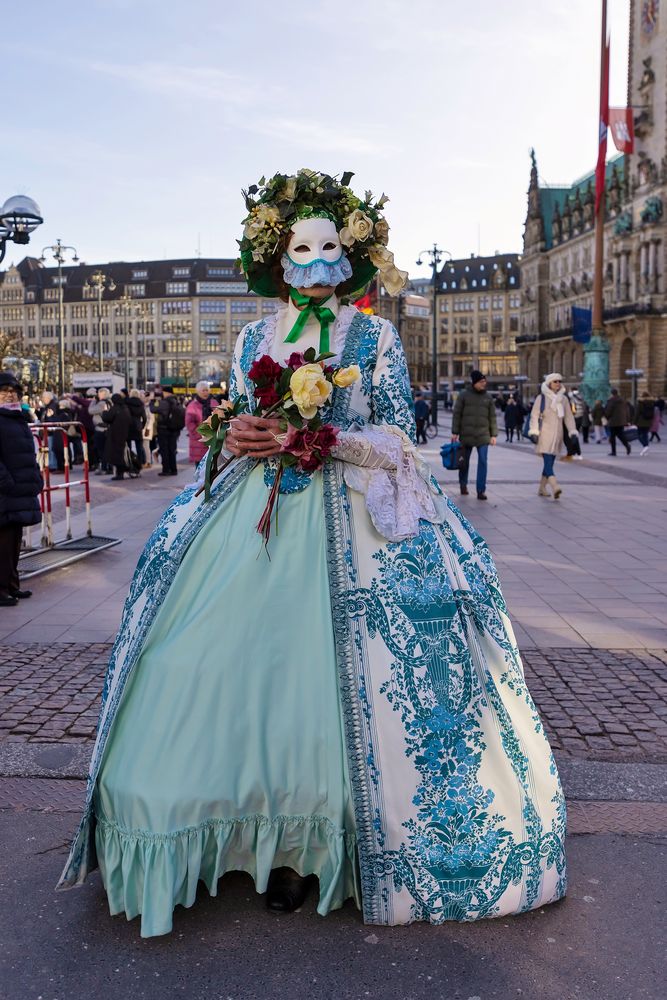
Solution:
(464, 491)
(481, 496)
(21, 595)
(8, 601)
(286, 890)
(164, 473)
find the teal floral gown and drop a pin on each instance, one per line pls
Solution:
(354, 708)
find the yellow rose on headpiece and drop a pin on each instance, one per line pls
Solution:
(310, 389)
(391, 276)
(358, 228)
(346, 376)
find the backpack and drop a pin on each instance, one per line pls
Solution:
(176, 416)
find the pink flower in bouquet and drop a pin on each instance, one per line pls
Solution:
(296, 360)
(310, 447)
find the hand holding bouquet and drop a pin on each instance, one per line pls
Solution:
(295, 394)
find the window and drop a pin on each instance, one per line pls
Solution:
(483, 302)
(497, 302)
(444, 306)
(268, 306)
(177, 327)
(30, 296)
(139, 274)
(184, 306)
(212, 306)
(177, 346)
(474, 282)
(444, 284)
(211, 343)
(50, 294)
(244, 306)
(180, 272)
(483, 282)
(220, 272)
(514, 323)
(211, 325)
(497, 324)
(177, 288)
(512, 280)
(79, 312)
(515, 301)
(484, 324)
(222, 288)
(136, 291)
(484, 345)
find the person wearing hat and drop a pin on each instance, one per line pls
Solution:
(20, 485)
(474, 425)
(551, 412)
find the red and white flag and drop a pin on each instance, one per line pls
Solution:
(604, 122)
(622, 125)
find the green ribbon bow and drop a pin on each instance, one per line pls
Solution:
(314, 308)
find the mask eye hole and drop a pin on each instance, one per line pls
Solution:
(329, 246)
(302, 248)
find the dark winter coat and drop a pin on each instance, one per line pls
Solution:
(137, 413)
(20, 478)
(474, 418)
(598, 414)
(162, 408)
(84, 415)
(616, 412)
(512, 416)
(119, 422)
(645, 413)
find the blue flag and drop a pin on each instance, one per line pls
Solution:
(582, 324)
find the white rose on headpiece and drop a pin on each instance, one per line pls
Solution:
(358, 228)
(260, 217)
(382, 232)
(391, 276)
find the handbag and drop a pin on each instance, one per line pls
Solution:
(571, 442)
(452, 456)
(631, 432)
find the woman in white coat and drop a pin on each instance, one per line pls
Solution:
(551, 411)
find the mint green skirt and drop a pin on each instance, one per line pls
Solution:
(228, 752)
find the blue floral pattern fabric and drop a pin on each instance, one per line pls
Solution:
(459, 811)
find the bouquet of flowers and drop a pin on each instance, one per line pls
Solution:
(295, 394)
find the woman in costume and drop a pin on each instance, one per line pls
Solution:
(362, 716)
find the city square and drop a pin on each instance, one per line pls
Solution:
(333, 604)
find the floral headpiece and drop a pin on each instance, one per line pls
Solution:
(274, 206)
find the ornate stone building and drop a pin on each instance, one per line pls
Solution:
(478, 303)
(411, 315)
(557, 262)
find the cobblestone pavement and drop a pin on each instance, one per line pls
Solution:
(608, 705)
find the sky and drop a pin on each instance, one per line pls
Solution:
(135, 123)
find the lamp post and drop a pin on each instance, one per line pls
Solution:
(59, 252)
(436, 255)
(125, 308)
(99, 281)
(143, 310)
(635, 374)
(19, 217)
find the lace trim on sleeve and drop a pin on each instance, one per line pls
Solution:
(384, 466)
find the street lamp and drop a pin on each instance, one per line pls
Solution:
(19, 217)
(436, 255)
(125, 307)
(99, 281)
(143, 311)
(59, 251)
(635, 374)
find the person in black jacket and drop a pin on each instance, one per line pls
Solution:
(138, 413)
(20, 486)
(170, 421)
(119, 419)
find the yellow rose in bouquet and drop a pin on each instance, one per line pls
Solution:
(310, 389)
(346, 376)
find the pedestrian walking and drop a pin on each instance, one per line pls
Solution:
(138, 421)
(616, 412)
(646, 408)
(96, 409)
(118, 420)
(198, 409)
(83, 404)
(598, 418)
(422, 414)
(656, 423)
(170, 422)
(474, 424)
(20, 486)
(512, 420)
(582, 415)
(550, 417)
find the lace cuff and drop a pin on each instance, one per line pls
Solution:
(382, 463)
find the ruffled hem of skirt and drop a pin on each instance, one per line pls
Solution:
(151, 873)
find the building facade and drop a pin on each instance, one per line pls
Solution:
(558, 258)
(411, 314)
(478, 303)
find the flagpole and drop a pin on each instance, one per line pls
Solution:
(595, 382)
(598, 325)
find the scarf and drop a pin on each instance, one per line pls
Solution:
(12, 406)
(555, 399)
(206, 406)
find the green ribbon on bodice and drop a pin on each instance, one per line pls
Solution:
(312, 307)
